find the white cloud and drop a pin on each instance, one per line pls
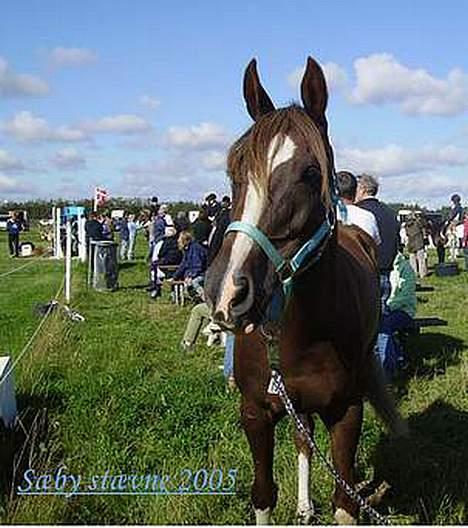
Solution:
(380, 79)
(19, 84)
(69, 159)
(149, 102)
(335, 76)
(9, 164)
(394, 160)
(117, 124)
(26, 127)
(71, 56)
(198, 137)
(9, 185)
(214, 160)
(432, 190)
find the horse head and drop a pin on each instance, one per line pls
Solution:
(281, 173)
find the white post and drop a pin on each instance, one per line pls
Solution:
(82, 249)
(58, 253)
(68, 262)
(8, 410)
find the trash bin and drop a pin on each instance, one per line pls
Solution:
(106, 265)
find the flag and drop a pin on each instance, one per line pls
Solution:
(101, 196)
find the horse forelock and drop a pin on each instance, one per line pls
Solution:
(251, 157)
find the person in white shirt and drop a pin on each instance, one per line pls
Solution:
(347, 184)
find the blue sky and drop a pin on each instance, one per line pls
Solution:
(144, 97)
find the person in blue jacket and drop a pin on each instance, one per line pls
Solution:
(14, 227)
(193, 266)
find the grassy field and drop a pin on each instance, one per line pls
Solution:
(117, 394)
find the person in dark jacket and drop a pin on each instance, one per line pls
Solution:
(169, 254)
(415, 245)
(201, 228)
(14, 227)
(222, 220)
(193, 266)
(124, 232)
(181, 222)
(389, 229)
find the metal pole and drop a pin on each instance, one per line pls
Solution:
(68, 262)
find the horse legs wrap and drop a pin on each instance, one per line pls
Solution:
(259, 427)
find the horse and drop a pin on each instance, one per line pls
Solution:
(282, 176)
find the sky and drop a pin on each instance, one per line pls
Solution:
(144, 97)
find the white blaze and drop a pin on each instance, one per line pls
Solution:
(254, 204)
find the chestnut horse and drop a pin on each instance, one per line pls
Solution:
(284, 234)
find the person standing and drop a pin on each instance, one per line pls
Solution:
(389, 229)
(132, 234)
(14, 228)
(415, 245)
(124, 236)
(201, 228)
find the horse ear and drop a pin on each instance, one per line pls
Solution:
(314, 92)
(257, 100)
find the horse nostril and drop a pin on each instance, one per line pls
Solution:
(241, 292)
(218, 317)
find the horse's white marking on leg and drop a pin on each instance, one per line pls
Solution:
(263, 517)
(343, 517)
(305, 507)
(279, 151)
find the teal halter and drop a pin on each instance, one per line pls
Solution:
(308, 254)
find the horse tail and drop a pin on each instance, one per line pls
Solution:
(382, 401)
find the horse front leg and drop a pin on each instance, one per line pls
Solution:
(259, 425)
(305, 508)
(345, 432)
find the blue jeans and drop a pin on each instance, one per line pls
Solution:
(229, 356)
(385, 290)
(388, 351)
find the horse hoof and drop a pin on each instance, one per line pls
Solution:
(343, 517)
(305, 517)
(262, 517)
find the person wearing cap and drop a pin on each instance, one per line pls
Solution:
(211, 205)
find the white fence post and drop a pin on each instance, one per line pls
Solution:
(8, 410)
(68, 262)
(58, 253)
(82, 249)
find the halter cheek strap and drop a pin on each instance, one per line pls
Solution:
(287, 268)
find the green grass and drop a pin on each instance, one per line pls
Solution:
(116, 393)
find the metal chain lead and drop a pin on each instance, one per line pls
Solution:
(352, 494)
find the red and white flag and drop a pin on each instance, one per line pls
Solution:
(101, 196)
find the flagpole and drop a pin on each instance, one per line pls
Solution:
(95, 200)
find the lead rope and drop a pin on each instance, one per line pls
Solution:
(352, 494)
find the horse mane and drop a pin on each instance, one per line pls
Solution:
(248, 156)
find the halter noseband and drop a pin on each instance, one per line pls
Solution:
(308, 254)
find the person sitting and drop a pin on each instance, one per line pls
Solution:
(401, 309)
(193, 266)
(347, 186)
(166, 253)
